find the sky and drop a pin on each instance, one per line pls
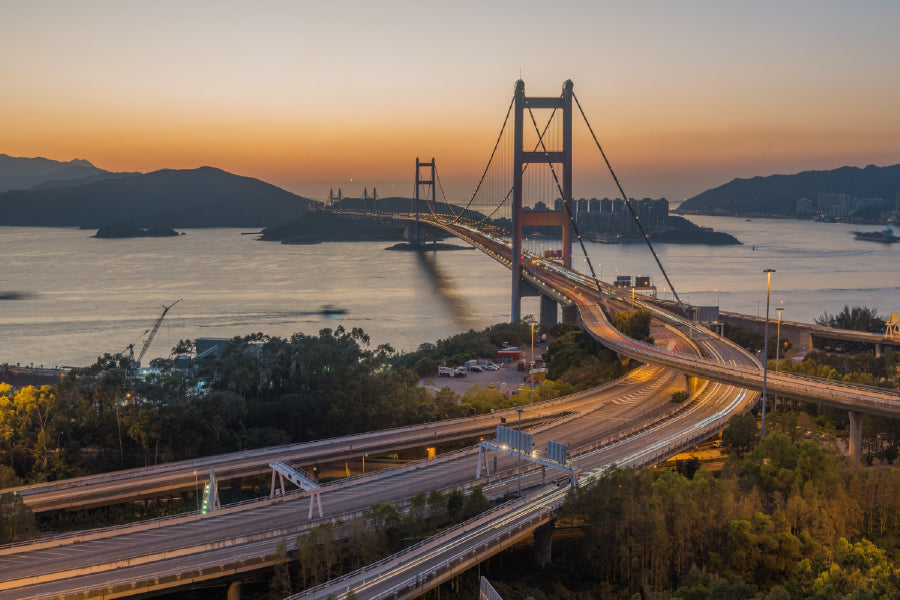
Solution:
(310, 96)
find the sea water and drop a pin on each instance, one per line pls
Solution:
(82, 297)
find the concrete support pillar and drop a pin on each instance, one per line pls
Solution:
(548, 311)
(234, 590)
(543, 539)
(692, 383)
(878, 350)
(570, 314)
(807, 341)
(855, 449)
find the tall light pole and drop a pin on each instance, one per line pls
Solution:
(777, 347)
(519, 451)
(532, 322)
(768, 272)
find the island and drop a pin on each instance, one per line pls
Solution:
(127, 231)
(316, 226)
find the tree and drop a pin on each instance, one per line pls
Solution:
(858, 318)
(16, 519)
(680, 396)
(688, 467)
(634, 324)
(280, 586)
(741, 433)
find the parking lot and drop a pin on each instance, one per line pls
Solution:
(507, 374)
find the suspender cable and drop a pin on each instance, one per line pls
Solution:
(490, 160)
(568, 208)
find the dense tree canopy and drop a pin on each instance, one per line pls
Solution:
(859, 318)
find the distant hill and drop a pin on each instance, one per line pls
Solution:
(778, 194)
(204, 197)
(323, 226)
(18, 173)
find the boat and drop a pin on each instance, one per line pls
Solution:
(330, 310)
(885, 236)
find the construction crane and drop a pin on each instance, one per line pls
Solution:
(153, 330)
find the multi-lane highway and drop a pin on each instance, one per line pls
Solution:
(177, 552)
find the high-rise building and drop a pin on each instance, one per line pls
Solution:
(582, 206)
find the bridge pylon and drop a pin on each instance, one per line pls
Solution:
(521, 157)
(420, 182)
(335, 201)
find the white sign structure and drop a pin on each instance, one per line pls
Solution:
(515, 443)
(558, 452)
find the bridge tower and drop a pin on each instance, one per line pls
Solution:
(521, 218)
(420, 182)
(332, 198)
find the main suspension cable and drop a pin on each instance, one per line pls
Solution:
(628, 204)
(541, 135)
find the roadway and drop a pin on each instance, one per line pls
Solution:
(131, 484)
(178, 552)
(576, 289)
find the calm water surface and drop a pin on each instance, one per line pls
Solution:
(88, 296)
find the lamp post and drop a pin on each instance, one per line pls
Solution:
(777, 348)
(532, 322)
(519, 452)
(768, 272)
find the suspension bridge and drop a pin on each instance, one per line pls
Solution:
(526, 184)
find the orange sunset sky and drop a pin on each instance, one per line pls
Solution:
(313, 95)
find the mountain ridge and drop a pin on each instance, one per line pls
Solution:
(21, 173)
(778, 194)
(175, 198)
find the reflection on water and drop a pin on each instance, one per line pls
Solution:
(87, 296)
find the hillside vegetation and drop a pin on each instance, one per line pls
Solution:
(778, 194)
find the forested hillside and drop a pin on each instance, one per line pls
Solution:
(778, 194)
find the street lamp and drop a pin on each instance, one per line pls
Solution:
(777, 347)
(519, 451)
(532, 322)
(768, 272)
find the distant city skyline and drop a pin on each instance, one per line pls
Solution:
(313, 96)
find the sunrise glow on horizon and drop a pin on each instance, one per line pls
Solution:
(684, 96)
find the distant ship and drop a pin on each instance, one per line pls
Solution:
(332, 310)
(885, 237)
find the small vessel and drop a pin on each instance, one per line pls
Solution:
(330, 310)
(885, 236)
